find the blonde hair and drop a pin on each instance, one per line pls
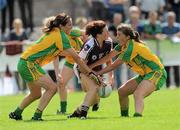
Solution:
(80, 20)
(17, 21)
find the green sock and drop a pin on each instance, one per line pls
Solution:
(125, 112)
(137, 114)
(18, 111)
(63, 105)
(37, 114)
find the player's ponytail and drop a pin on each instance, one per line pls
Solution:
(55, 21)
(135, 35)
(48, 24)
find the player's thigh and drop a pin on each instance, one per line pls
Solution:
(35, 89)
(128, 88)
(151, 82)
(46, 82)
(145, 88)
(87, 83)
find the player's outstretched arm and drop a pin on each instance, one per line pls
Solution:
(111, 67)
(108, 57)
(85, 69)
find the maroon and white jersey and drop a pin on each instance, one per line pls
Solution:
(92, 52)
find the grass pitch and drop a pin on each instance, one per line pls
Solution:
(162, 112)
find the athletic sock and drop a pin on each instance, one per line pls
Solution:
(37, 114)
(84, 110)
(18, 111)
(63, 106)
(125, 113)
(137, 114)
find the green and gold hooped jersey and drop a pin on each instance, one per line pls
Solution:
(47, 47)
(139, 57)
(75, 42)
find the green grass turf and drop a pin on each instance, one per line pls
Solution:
(162, 112)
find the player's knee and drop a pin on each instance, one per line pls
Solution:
(122, 92)
(137, 95)
(62, 87)
(36, 96)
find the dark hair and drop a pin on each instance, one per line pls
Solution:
(128, 31)
(55, 21)
(95, 27)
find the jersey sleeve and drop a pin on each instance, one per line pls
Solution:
(129, 53)
(76, 32)
(117, 48)
(65, 41)
(86, 50)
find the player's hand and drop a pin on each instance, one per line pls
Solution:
(96, 78)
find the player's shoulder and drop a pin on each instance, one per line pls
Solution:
(89, 44)
(55, 30)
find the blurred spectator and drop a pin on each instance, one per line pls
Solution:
(174, 5)
(26, 10)
(134, 19)
(97, 9)
(18, 33)
(152, 27)
(15, 39)
(150, 5)
(10, 6)
(81, 22)
(171, 28)
(116, 6)
(117, 19)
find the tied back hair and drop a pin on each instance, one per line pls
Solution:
(55, 21)
(95, 27)
(135, 35)
(128, 31)
(47, 23)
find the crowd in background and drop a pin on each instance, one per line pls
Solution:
(153, 19)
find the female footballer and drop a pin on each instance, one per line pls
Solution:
(134, 53)
(53, 43)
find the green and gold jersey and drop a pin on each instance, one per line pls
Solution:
(139, 57)
(75, 42)
(47, 47)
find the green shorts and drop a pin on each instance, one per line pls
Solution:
(68, 64)
(30, 71)
(157, 77)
